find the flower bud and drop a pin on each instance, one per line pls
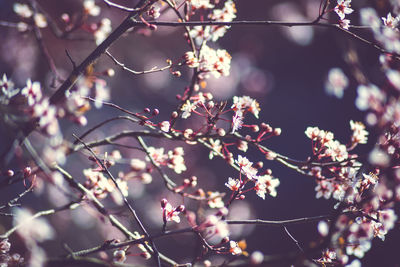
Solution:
(155, 112)
(256, 258)
(145, 255)
(210, 105)
(255, 128)
(27, 171)
(200, 192)
(174, 115)
(259, 165)
(186, 182)
(163, 203)
(110, 72)
(277, 131)
(180, 208)
(177, 73)
(221, 132)
(266, 127)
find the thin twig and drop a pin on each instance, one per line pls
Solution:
(152, 70)
(124, 8)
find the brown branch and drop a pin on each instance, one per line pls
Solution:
(79, 70)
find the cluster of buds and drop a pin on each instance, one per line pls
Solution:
(187, 183)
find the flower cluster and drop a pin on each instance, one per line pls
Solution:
(173, 159)
(263, 184)
(342, 9)
(324, 146)
(210, 61)
(203, 34)
(29, 16)
(101, 186)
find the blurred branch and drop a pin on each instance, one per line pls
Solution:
(100, 208)
(70, 206)
(131, 209)
(120, 30)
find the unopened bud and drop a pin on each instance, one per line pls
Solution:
(177, 73)
(138, 165)
(268, 171)
(259, 165)
(210, 105)
(186, 182)
(174, 115)
(110, 72)
(221, 132)
(180, 208)
(193, 181)
(255, 128)
(277, 131)
(146, 110)
(27, 171)
(65, 17)
(242, 197)
(270, 155)
(200, 192)
(146, 178)
(155, 112)
(266, 127)
(81, 120)
(256, 258)
(178, 97)
(145, 255)
(10, 173)
(163, 203)
(153, 27)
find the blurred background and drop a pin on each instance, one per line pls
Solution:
(283, 68)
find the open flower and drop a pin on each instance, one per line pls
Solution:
(170, 213)
(343, 8)
(233, 184)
